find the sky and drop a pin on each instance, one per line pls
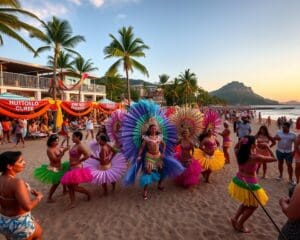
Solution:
(256, 42)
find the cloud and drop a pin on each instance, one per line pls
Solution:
(100, 3)
(97, 3)
(77, 2)
(45, 10)
(121, 16)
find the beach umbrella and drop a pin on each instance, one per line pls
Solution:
(11, 96)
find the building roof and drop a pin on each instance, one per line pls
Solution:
(11, 65)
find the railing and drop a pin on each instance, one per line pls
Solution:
(29, 81)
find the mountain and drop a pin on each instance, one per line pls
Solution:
(134, 82)
(237, 93)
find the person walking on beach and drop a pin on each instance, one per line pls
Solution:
(89, 126)
(246, 181)
(16, 221)
(244, 128)
(19, 131)
(284, 151)
(226, 141)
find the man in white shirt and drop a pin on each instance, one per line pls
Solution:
(284, 151)
(243, 128)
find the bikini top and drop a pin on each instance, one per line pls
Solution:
(153, 140)
(74, 152)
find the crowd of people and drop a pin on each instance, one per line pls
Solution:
(182, 147)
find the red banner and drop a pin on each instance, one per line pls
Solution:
(76, 106)
(22, 106)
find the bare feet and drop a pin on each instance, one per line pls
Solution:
(145, 196)
(233, 223)
(242, 229)
(160, 188)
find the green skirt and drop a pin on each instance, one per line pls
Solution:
(46, 175)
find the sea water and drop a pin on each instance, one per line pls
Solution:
(279, 111)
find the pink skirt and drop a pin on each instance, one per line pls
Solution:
(76, 176)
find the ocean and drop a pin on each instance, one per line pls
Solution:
(278, 111)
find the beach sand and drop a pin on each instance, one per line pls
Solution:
(200, 213)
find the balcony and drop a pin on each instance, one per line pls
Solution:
(28, 81)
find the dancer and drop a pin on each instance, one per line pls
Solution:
(52, 173)
(77, 174)
(226, 141)
(190, 176)
(263, 139)
(146, 147)
(209, 156)
(106, 167)
(16, 204)
(246, 181)
(189, 124)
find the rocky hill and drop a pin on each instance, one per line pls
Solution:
(235, 93)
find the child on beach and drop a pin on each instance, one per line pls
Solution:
(245, 182)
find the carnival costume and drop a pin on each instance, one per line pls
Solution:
(50, 175)
(18, 227)
(76, 175)
(113, 171)
(109, 173)
(133, 129)
(188, 120)
(240, 187)
(217, 160)
(112, 125)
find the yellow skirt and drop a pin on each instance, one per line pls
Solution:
(240, 191)
(213, 163)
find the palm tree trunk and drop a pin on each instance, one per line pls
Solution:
(128, 87)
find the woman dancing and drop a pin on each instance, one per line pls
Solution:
(77, 174)
(52, 173)
(106, 167)
(16, 221)
(209, 156)
(184, 154)
(263, 139)
(188, 123)
(146, 148)
(245, 182)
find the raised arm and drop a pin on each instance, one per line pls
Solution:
(262, 159)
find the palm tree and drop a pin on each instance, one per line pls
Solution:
(114, 85)
(163, 79)
(188, 82)
(58, 37)
(172, 91)
(126, 49)
(10, 23)
(63, 62)
(80, 66)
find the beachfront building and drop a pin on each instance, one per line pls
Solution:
(149, 91)
(33, 80)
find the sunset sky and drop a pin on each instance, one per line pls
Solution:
(256, 42)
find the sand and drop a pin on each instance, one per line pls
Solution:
(199, 213)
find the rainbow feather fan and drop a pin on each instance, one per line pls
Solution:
(135, 123)
(212, 121)
(114, 123)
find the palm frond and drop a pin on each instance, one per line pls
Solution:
(140, 67)
(10, 32)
